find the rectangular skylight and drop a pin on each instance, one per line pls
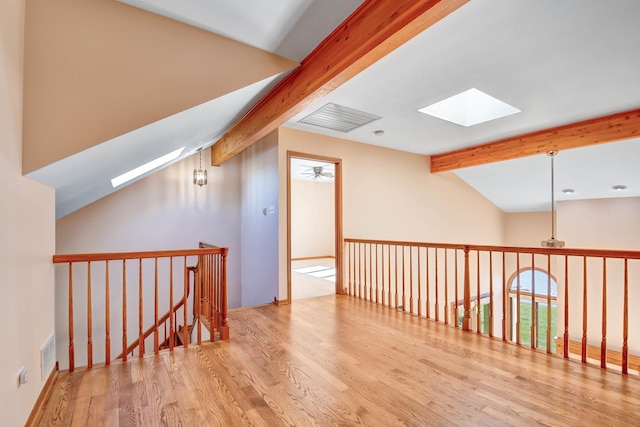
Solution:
(140, 170)
(469, 108)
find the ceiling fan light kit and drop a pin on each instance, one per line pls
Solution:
(317, 173)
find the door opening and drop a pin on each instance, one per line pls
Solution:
(314, 226)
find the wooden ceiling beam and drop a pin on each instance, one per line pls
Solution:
(372, 31)
(614, 127)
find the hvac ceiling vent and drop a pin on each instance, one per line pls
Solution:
(337, 117)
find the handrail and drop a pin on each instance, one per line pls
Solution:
(440, 281)
(116, 256)
(142, 280)
(608, 253)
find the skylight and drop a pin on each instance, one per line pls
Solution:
(140, 170)
(469, 108)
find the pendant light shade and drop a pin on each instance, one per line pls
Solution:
(553, 242)
(200, 175)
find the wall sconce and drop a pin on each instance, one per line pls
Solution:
(200, 175)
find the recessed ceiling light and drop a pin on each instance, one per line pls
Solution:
(140, 170)
(568, 191)
(469, 108)
(619, 187)
(378, 132)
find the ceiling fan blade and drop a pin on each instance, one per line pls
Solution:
(327, 174)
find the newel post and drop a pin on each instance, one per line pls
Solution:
(466, 320)
(224, 327)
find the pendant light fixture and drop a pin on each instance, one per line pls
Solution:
(200, 175)
(553, 242)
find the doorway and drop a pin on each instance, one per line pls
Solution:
(314, 225)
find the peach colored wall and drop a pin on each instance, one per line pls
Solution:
(389, 194)
(312, 219)
(600, 223)
(120, 68)
(163, 211)
(527, 228)
(27, 233)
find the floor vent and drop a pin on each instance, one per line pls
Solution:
(47, 357)
(337, 117)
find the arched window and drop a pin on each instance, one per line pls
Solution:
(536, 317)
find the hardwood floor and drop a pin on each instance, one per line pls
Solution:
(339, 361)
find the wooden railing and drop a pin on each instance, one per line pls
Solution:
(153, 280)
(540, 298)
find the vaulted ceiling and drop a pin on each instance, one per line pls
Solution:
(109, 86)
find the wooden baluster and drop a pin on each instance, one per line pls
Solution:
(140, 314)
(518, 298)
(549, 304)
(71, 348)
(565, 342)
(603, 344)
(388, 291)
(625, 320)
(107, 320)
(505, 290)
(89, 319)
(491, 294)
(382, 293)
(348, 263)
(466, 320)
(396, 274)
(370, 272)
(224, 327)
(437, 306)
(359, 280)
(410, 279)
(584, 310)
(364, 272)
(213, 286)
(171, 313)
(377, 278)
(198, 284)
(455, 310)
(404, 301)
(419, 285)
(156, 310)
(446, 287)
(124, 310)
(478, 299)
(534, 316)
(185, 305)
(428, 292)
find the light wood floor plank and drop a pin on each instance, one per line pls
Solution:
(339, 361)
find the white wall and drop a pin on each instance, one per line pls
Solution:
(260, 231)
(390, 195)
(312, 219)
(27, 234)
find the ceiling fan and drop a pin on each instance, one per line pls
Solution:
(317, 172)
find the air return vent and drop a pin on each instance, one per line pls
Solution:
(47, 357)
(337, 117)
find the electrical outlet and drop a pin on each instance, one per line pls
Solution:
(23, 376)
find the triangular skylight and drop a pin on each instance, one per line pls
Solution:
(469, 108)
